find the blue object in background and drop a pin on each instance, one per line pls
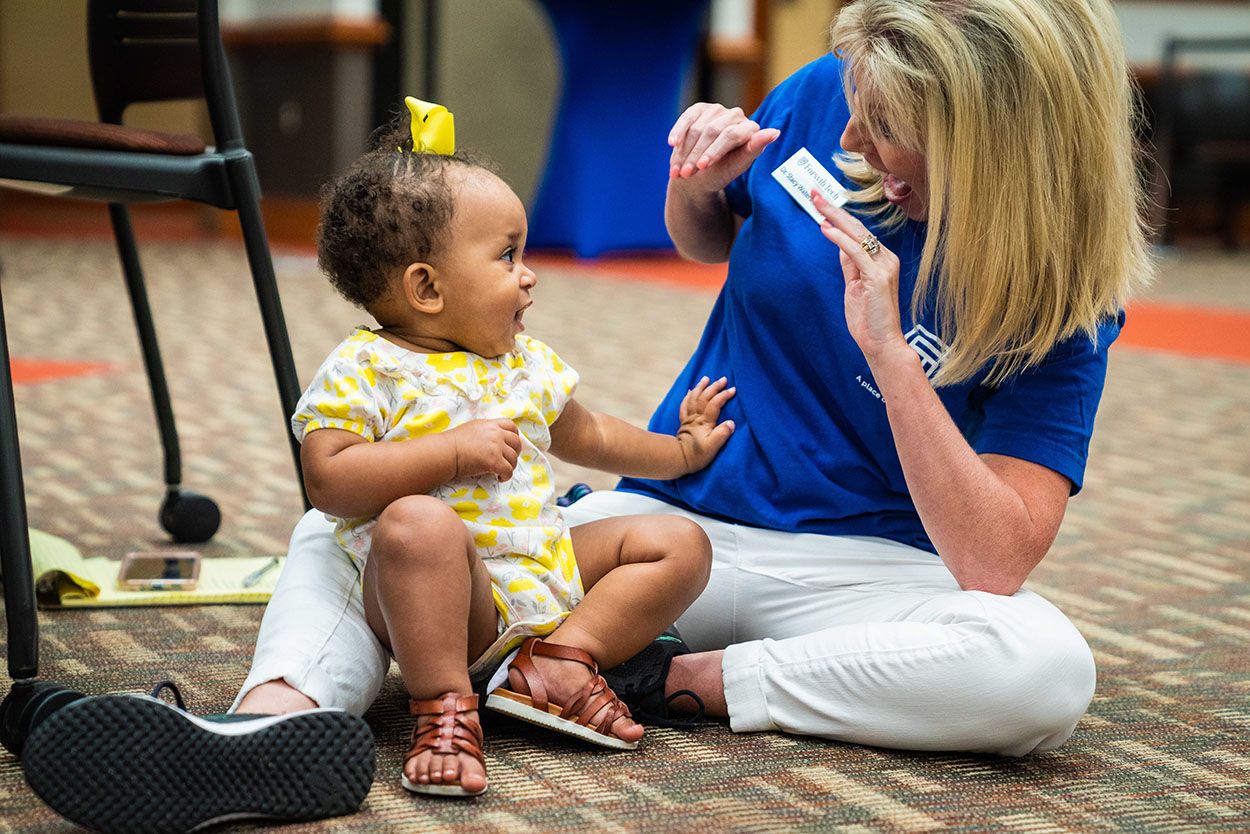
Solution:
(624, 66)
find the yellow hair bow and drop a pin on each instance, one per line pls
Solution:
(432, 127)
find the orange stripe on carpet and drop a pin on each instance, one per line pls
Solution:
(661, 269)
(1192, 331)
(42, 370)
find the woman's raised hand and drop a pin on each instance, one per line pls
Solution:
(713, 145)
(871, 301)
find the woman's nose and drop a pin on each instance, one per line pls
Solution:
(852, 140)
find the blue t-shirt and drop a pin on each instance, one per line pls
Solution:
(813, 451)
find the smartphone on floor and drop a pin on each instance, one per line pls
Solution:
(160, 570)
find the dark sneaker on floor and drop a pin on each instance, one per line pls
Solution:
(132, 764)
(639, 682)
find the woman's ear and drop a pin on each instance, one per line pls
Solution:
(420, 291)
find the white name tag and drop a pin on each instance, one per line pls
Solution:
(801, 174)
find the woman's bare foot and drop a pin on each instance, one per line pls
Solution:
(564, 679)
(275, 697)
(700, 673)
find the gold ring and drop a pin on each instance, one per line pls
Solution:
(871, 245)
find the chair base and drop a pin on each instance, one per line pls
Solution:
(190, 518)
(27, 704)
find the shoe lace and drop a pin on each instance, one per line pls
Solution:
(173, 687)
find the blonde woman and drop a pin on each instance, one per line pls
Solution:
(916, 382)
(910, 430)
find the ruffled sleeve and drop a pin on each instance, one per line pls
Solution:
(350, 391)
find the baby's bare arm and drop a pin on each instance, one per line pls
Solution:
(601, 441)
(350, 477)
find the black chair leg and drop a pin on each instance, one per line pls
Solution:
(28, 700)
(123, 232)
(186, 516)
(21, 619)
(246, 187)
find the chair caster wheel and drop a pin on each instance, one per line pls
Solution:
(189, 517)
(25, 706)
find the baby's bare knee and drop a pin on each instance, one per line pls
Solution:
(684, 544)
(417, 525)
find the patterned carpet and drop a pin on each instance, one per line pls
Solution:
(1152, 564)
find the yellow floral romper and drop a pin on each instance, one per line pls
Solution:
(383, 392)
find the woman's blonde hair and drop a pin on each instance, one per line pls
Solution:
(1025, 112)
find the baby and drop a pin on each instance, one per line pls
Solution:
(426, 439)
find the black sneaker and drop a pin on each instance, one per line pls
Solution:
(639, 682)
(132, 764)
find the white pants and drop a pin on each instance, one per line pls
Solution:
(850, 638)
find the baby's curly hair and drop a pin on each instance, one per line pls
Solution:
(392, 208)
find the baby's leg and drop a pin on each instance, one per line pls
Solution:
(423, 583)
(640, 574)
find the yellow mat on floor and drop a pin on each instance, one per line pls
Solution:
(65, 579)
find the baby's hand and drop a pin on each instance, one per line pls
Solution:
(700, 436)
(486, 447)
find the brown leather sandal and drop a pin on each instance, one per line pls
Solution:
(575, 717)
(451, 732)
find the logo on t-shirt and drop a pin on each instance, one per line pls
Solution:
(930, 348)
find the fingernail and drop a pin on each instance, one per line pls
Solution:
(702, 163)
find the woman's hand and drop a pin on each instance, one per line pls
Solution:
(871, 302)
(701, 436)
(713, 145)
(991, 517)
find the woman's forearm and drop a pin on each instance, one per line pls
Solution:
(984, 529)
(990, 517)
(699, 222)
